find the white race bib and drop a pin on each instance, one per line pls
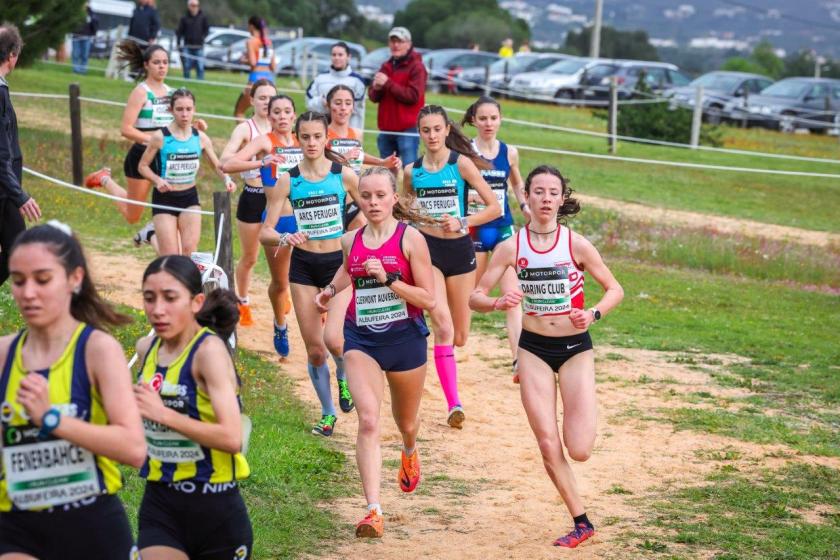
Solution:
(182, 169)
(50, 473)
(478, 205)
(293, 156)
(547, 291)
(169, 446)
(344, 146)
(161, 116)
(319, 216)
(377, 304)
(439, 201)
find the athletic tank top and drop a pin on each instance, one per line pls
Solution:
(180, 159)
(343, 146)
(318, 207)
(441, 192)
(551, 281)
(253, 132)
(265, 54)
(374, 306)
(37, 473)
(154, 114)
(292, 152)
(497, 178)
(172, 456)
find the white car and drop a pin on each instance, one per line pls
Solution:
(559, 80)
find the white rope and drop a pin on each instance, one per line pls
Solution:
(112, 197)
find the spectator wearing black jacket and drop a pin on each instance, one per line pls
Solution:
(191, 33)
(14, 202)
(145, 23)
(82, 38)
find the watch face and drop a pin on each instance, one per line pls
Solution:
(51, 420)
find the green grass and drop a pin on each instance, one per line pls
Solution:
(293, 473)
(793, 201)
(749, 516)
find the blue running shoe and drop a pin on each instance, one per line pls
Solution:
(281, 340)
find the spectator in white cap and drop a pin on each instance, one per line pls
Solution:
(340, 73)
(400, 90)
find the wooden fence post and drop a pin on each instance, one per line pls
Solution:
(76, 134)
(613, 116)
(221, 207)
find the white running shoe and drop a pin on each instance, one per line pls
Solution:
(145, 234)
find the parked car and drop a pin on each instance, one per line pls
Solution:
(560, 80)
(445, 67)
(791, 103)
(290, 55)
(501, 71)
(718, 89)
(658, 76)
(372, 62)
(218, 46)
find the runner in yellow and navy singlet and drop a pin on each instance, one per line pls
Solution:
(187, 393)
(67, 413)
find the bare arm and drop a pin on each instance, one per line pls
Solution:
(132, 109)
(351, 182)
(588, 257)
(471, 175)
(122, 438)
(243, 160)
(213, 367)
(408, 185)
(275, 198)
(422, 293)
(210, 154)
(144, 167)
(238, 138)
(516, 182)
(503, 257)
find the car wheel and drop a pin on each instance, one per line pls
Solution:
(714, 115)
(787, 123)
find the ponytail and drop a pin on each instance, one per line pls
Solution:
(134, 57)
(469, 114)
(456, 140)
(219, 311)
(259, 24)
(85, 305)
(406, 209)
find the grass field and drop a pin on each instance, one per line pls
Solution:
(693, 291)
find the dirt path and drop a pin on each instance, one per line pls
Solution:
(723, 224)
(485, 494)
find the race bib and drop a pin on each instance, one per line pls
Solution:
(160, 112)
(182, 169)
(344, 147)
(476, 205)
(293, 157)
(439, 201)
(377, 304)
(42, 474)
(169, 446)
(546, 290)
(319, 216)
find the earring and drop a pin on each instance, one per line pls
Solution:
(77, 290)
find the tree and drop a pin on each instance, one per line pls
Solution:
(465, 22)
(42, 23)
(764, 55)
(741, 64)
(632, 45)
(803, 63)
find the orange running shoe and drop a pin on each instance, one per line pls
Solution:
(95, 179)
(372, 526)
(409, 475)
(245, 318)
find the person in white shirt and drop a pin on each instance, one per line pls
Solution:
(340, 73)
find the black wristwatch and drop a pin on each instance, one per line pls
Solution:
(596, 314)
(391, 277)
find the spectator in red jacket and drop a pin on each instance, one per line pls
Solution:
(400, 89)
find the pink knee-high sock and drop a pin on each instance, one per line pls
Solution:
(447, 373)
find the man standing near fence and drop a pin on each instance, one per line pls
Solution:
(192, 31)
(145, 23)
(14, 203)
(400, 89)
(339, 73)
(82, 38)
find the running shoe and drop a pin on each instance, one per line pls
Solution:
(325, 426)
(372, 526)
(580, 533)
(281, 340)
(95, 179)
(245, 318)
(145, 234)
(409, 475)
(456, 417)
(345, 399)
(515, 371)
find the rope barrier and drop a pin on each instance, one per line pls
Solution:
(113, 197)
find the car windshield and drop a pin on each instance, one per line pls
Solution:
(225, 40)
(787, 88)
(514, 64)
(566, 66)
(541, 64)
(725, 82)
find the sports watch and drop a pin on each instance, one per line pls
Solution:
(49, 422)
(391, 277)
(596, 314)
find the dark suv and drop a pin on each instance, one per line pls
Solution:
(658, 76)
(718, 89)
(792, 103)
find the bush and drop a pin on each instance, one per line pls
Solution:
(42, 23)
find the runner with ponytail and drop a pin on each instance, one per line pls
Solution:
(261, 59)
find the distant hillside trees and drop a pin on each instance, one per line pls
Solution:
(42, 23)
(614, 44)
(460, 23)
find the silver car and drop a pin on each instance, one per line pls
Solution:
(558, 81)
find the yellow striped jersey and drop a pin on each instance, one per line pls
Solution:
(172, 456)
(42, 473)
